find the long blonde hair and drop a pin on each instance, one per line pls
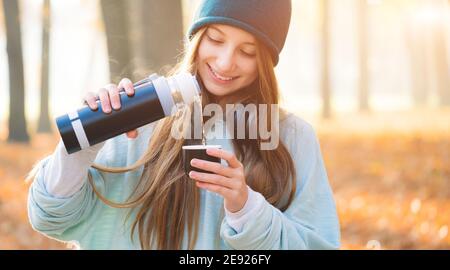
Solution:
(164, 184)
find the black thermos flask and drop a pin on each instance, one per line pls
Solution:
(155, 97)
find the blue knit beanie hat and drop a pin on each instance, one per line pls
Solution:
(268, 20)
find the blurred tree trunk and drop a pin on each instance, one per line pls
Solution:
(17, 122)
(44, 118)
(363, 35)
(143, 36)
(157, 34)
(417, 43)
(415, 36)
(115, 14)
(440, 50)
(325, 80)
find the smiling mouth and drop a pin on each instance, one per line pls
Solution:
(219, 77)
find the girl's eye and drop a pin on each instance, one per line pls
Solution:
(214, 40)
(248, 54)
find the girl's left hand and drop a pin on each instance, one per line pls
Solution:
(229, 181)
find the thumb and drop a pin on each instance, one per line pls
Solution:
(132, 134)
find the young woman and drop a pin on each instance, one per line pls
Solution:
(131, 192)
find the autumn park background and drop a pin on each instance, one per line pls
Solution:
(372, 76)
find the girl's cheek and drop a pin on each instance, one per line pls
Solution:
(205, 51)
(249, 67)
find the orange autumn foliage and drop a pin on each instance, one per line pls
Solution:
(392, 187)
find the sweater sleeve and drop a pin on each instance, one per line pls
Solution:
(64, 173)
(60, 196)
(311, 220)
(253, 205)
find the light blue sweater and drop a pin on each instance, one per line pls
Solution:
(310, 222)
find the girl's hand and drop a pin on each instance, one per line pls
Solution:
(229, 181)
(109, 97)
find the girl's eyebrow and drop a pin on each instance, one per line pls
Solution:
(220, 31)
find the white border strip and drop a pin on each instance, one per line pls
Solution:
(80, 134)
(73, 115)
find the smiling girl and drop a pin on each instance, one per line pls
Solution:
(131, 191)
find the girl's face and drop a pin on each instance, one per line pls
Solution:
(226, 59)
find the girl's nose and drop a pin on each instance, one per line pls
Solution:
(225, 62)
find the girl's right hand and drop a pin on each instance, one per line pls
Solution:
(110, 99)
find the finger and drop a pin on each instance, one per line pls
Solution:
(213, 179)
(91, 101)
(126, 84)
(114, 96)
(132, 134)
(231, 159)
(224, 192)
(212, 167)
(104, 100)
